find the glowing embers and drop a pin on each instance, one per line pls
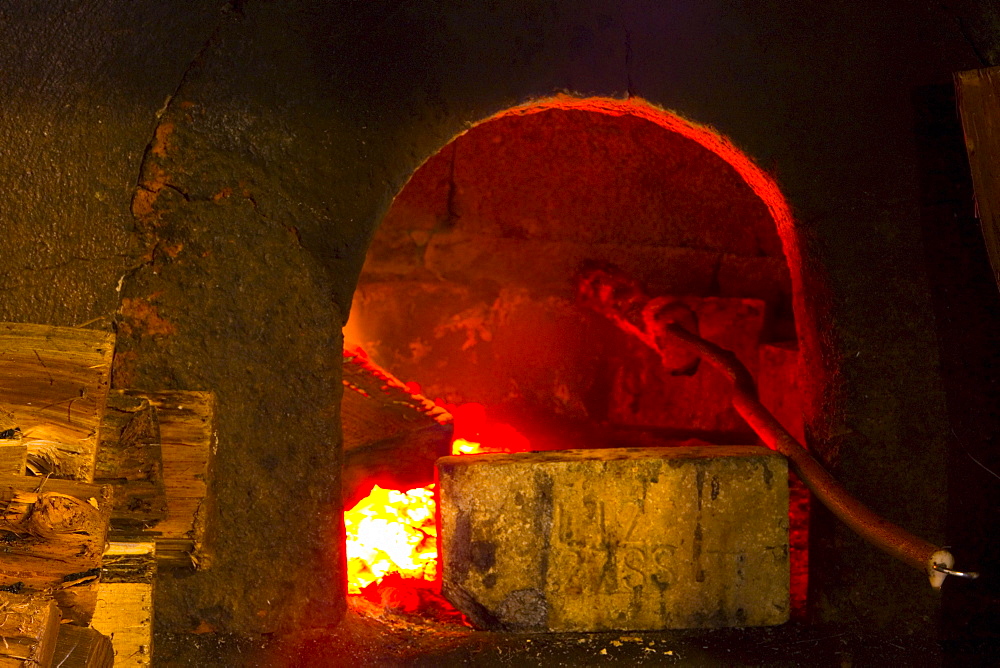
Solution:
(476, 432)
(390, 531)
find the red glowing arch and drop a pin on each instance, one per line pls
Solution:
(759, 181)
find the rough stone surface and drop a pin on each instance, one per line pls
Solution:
(630, 538)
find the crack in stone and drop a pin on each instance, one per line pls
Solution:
(168, 102)
(187, 198)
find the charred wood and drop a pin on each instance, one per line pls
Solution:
(13, 451)
(392, 436)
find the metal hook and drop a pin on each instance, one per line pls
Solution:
(970, 575)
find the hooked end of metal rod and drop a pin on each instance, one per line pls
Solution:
(940, 566)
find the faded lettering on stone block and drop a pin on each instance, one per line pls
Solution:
(617, 539)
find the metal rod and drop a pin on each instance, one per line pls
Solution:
(657, 323)
(878, 531)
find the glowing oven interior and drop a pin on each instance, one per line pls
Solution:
(467, 298)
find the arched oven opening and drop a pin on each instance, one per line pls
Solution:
(468, 300)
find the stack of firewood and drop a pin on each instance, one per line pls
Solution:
(98, 488)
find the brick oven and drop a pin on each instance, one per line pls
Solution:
(234, 188)
(470, 284)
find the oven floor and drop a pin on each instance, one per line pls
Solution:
(394, 641)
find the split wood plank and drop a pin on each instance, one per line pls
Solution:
(391, 436)
(13, 456)
(54, 533)
(83, 647)
(13, 451)
(55, 382)
(187, 445)
(129, 459)
(29, 627)
(978, 93)
(402, 462)
(125, 601)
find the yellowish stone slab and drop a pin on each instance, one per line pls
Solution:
(624, 539)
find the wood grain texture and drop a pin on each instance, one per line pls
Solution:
(129, 459)
(83, 647)
(54, 534)
(125, 601)
(54, 381)
(13, 452)
(978, 93)
(187, 445)
(391, 436)
(13, 456)
(29, 626)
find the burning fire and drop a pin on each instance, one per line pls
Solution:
(476, 433)
(391, 531)
(394, 531)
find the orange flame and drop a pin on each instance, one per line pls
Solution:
(476, 433)
(392, 531)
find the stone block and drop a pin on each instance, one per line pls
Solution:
(616, 539)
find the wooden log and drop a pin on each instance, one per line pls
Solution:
(125, 601)
(978, 93)
(29, 627)
(13, 451)
(398, 463)
(187, 446)
(129, 459)
(55, 382)
(391, 436)
(53, 535)
(82, 647)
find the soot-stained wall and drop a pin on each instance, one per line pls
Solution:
(229, 162)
